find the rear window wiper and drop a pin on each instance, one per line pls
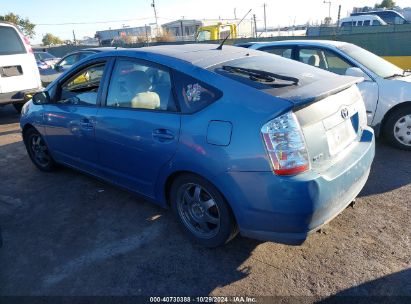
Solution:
(395, 75)
(260, 76)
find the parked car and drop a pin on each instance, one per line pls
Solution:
(230, 139)
(389, 16)
(45, 60)
(386, 88)
(362, 20)
(18, 69)
(65, 63)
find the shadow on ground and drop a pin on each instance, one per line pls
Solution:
(393, 288)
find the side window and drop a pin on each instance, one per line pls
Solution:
(84, 55)
(82, 88)
(367, 23)
(285, 52)
(376, 22)
(325, 60)
(335, 63)
(69, 60)
(313, 57)
(193, 94)
(140, 85)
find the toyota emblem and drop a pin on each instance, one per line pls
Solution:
(345, 113)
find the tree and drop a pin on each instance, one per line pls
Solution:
(385, 4)
(50, 39)
(23, 24)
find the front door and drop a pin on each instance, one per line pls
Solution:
(70, 119)
(137, 130)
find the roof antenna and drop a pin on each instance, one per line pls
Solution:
(220, 47)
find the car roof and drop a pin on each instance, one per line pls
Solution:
(199, 54)
(332, 43)
(98, 49)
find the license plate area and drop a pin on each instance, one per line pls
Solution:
(340, 136)
(11, 71)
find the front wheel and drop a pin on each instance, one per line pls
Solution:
(397, 129)
(202, 211)
(38, 151)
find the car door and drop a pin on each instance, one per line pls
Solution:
(70, 119)
(137, 130)
(334, 62)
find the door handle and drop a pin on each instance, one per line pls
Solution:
(86, 124)
(163, 135)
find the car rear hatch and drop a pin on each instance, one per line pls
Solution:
(18, 69)
(328, 107)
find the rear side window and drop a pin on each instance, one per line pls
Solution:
(194, 95)
(285, 52)
(10, 41)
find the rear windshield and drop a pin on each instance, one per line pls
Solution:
(10, 41)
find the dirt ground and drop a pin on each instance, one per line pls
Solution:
(68, 234)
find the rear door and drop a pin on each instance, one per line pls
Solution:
(137, 130)
(18, 68)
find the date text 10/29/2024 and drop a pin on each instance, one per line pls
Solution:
(234, 299)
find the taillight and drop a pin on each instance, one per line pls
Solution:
(285, 145)
(27, 44)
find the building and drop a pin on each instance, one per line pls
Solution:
(186, 29)
(183, 29)
(126, 34)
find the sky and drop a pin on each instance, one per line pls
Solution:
(93, 15)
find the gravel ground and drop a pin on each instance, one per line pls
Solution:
(68, 234)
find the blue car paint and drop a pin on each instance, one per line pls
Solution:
(266, 206)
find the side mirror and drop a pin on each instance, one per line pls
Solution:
(357, 72)
(41, 98)
(58, 68)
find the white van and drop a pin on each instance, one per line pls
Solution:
(18, 69)
(362, 20)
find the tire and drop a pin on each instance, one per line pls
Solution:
(38, 151)
(200, 210)
(18, 107)
(397, 128)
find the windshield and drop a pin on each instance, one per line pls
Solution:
(371, 61)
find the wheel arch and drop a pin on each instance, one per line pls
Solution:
(172, 177)
(389, 113)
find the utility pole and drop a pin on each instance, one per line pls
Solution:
(153, 5)
(329, 7)
(235, 14)
(74, 38)
(265, 20)
(339, 14)
(145, 27)
(182, 30)
(255, 26)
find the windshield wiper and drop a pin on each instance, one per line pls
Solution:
(395, 75)
(260, 76)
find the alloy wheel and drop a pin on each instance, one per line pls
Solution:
(198, 210)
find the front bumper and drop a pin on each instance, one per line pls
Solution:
(287, 209)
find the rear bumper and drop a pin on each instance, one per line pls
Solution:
(287, 209)
(15, 97)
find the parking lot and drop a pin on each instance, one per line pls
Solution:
(65, 233)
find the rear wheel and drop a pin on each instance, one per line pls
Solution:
(202, 211)
(397, 128)
(38, 151)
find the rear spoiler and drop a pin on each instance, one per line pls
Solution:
(318, 90)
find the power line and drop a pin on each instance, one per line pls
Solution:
(96, 22)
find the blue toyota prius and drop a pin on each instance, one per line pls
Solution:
(232, 140)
